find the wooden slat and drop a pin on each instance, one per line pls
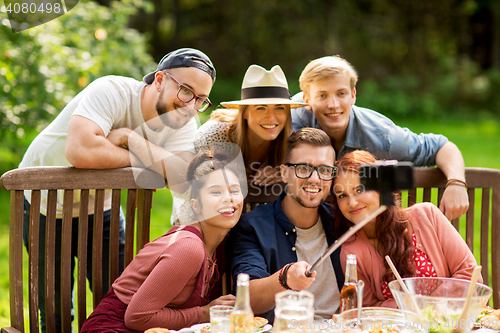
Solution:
(16, 259)
(495, 244)
(427, 194)
(97, 234)
(33, 260)
(10, 330)
(485, 212)
(130, 225)
(83, 229)
(440, 195)
(143, 217)
(66, 273)
(469, 218)
(412, 197)
(50, 265)
(56, 178)
(114, 242)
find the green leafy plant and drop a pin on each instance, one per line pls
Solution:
(43, 68)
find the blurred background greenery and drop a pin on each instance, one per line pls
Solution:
(432, 66)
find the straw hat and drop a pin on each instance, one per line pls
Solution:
(261, 87)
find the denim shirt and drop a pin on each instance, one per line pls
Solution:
(371, 131)
(263, 242)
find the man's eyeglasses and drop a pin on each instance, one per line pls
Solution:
(304, 171)
(186, 95)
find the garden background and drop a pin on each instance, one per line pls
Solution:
(432, 66)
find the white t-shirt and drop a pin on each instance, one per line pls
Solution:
(311, 244)
(111, 102)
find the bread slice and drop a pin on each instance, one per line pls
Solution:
(490, 321)
(157, 330)
(259, 322)
(489, 318)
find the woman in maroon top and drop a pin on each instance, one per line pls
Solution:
(168, 283)
(419, 240)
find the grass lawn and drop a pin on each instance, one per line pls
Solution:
(477, 139)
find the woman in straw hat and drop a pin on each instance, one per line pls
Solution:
(259, 123)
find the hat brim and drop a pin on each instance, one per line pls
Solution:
(263, 101)
(149, 78)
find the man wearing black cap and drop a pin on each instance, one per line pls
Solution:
(109, 124)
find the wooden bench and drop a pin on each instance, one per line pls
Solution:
(483, 187)
(485, 181)
(68, 180)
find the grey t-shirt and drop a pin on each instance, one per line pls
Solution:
(311, 244)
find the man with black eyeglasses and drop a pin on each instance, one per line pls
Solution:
(118, 122)
(275, 243)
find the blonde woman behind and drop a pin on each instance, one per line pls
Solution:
(259, 124)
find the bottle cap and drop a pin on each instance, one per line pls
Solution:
(243, 279)
(351, 258)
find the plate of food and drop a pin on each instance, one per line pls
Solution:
(489, 318)
(260, 325)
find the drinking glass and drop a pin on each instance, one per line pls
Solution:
(219, 318)
(294, 312)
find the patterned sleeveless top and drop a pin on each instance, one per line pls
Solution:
(422, 263)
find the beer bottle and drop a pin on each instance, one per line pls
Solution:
(241, 319)
(349, 292)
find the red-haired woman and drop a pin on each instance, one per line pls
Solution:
(419, 240)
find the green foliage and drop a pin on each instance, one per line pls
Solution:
(458, 91)
(43, 68)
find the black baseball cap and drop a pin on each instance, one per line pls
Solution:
(183, 58)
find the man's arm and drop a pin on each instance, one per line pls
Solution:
(172, 166)
(455, 201)
(432, 149)
(86, 147)
(263, 291)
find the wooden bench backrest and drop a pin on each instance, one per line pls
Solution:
(69, 180)
(483, 216)
(484, 211)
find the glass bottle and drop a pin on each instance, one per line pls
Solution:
(241, 319)
(349, 292)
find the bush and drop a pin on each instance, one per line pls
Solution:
(44, 67)
(459, 90)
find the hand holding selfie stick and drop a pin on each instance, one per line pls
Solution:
(352, 230)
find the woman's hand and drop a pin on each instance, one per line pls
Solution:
(228, 300)
(267, 176)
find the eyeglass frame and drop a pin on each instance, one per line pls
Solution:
(294, 165)
(196, 97)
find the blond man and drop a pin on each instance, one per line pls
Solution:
(329, 87)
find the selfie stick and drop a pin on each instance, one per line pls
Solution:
(352, 230)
